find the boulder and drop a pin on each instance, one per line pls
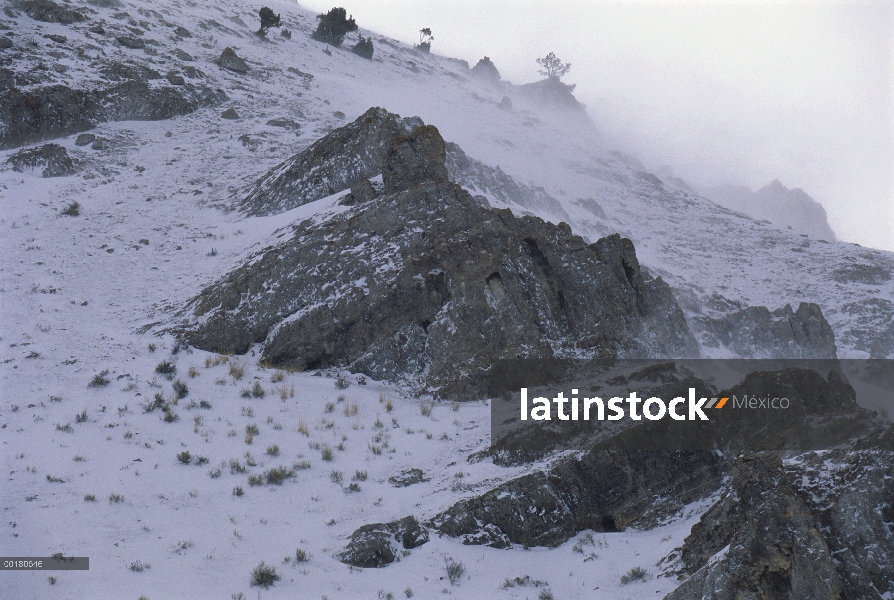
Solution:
(230, 113)
(5, 42)
(52, 157)
(407, 478)
(85, 139)
(229, 60)
(486, 71)
(134, 43)
(379, 544)
(175, 79)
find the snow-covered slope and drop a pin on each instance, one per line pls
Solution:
(80, 295)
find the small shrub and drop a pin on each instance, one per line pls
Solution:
(138, 567)
(352, 487)
(545, 594)
(634, 574)
(52, 580)
(252, 429)
(455, 570)
(350, 409)
(246, 393)
(425, 409)
(185, 457)
(277, 376)
(425, 40)
(302, 427)
(238, 491)
(53, 479)
(72, 210)
(116, 498)
(264, 576)
(181, 389)
(193, 372)
(273, 450)
(364, 48)
(341, 383)
(359, 476)
(277, 475)
(334, 26)
(166, 367)
(214, 473)
(257, 390)
(301, 555)
(204, 404)
(336, 477)
(408, 592)
(89, 498)
(389, 405)
(237, 467)
(330, 406)
(170, 416)
(326, 453)
(301, 464)
(255, 480)
(201, 460)
(100, 379)
(67, 428)
(236, 371)
(81, 418)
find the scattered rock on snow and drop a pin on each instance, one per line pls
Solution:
(131, 42)
(49, 12)
(379, 544)
(407, 478)
(85, 139)
(230, 113)
(52, 157)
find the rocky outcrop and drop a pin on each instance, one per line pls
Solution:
(49, 11)
(819, 528)
(755, 332)
(380, 544)
(486, 71)
(792, 208)
(605, 490)
(52, 157)
(552, 93)
(425, 283)
(346, 155)
(56, 111)
(357, 151)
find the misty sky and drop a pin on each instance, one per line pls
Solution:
(721, 92)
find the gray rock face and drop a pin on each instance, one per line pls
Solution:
(813, 530)
(379, 544)
(52, 157)
(49, 12)
(605, 490)
(122, 71)
(5, 42)
(229, 60)
(429, 283)
(55, 111)
(415, 159)
(348, 154)
(755, 332)
(85, 139)
(230, 113)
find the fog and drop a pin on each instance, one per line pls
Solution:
(717, 92)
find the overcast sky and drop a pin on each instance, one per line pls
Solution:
(721, 91)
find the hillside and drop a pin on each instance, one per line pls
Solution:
(172, 181)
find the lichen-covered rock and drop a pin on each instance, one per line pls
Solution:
(52, 157)
(415, 159)
(379, 544)
(128, 41)
(428, 283)
(231, 61)
(756, 332)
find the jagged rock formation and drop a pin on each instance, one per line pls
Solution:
(755, 332)
(53, 157)
(425, 282)
(776, 203)
(551, 92)
(380, 544)
(231, 61)
(331, 164)
(49, 11)
(58, 110)
(817, 529)
(356, 152)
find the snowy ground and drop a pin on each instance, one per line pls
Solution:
(82, 295)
